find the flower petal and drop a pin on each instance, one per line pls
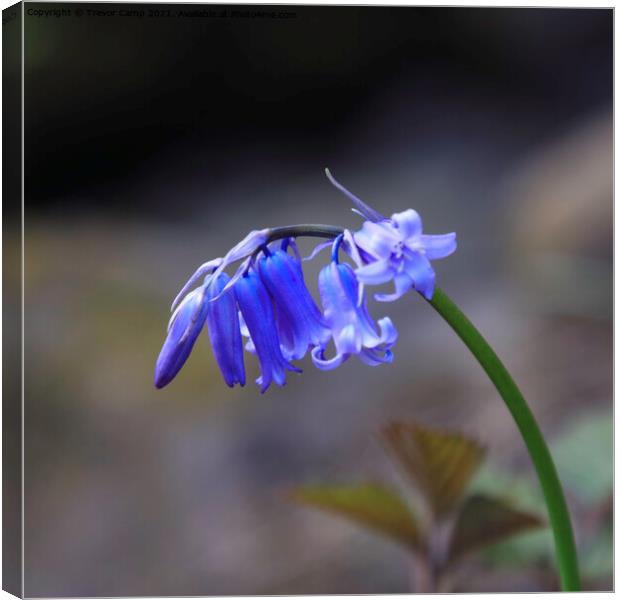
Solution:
(256, 306)
(251, 242)
(185, 328)
(318, 249)
(348, 340)
(402, 284)
(376, 272)
(351, 247)
(352, 328)
(374, 358)
(225, 332)
(241, 270)
(298, 319)
(389, 335)
(200, 271)
(439, 246)
(246, 247)
(408, 223)
(418, 267)
(326, 364)
(377, 239)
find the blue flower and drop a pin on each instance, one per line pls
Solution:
(395, 249)
(267, 301)
(352, 328)
(224, 331)
(298, 319)
(185, 326)
(256, 307)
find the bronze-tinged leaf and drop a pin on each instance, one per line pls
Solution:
(372, 506)
(440, 463)
(483, 521)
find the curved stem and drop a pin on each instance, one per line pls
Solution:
(539, 452)
(326, 231)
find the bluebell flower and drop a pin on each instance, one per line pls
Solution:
(185, 326)
(396, 249)
(255, 304)
(352, 328)
(267, 301)
(225, 332)
(298, 319)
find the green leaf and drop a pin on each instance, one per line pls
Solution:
(440, 463)
(373, 506)
(483, 521)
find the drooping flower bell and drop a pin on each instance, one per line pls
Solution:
(352, 328)
(185, 326)
(225, 331)
(299, 322)
(256, 307)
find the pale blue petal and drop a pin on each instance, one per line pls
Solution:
(348, 340)
(375, 273)
(246, 247)
(374, 358)
(351, 247)
(326, 364)
(408, 223)
(389, 335)
(418, 267)
(353, 329)
(377, 239)
(402, 284)
(251, 242)
(318, 249)
(200, 272)
(439, 246)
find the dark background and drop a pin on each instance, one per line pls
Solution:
(155, 143)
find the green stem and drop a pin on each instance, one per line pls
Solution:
(534, 440)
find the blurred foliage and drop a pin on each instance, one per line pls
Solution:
(373, 506)
(483, 521)
(588, 482)
(441, 465)
(578, 455)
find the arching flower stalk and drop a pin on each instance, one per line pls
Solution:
(266, 300)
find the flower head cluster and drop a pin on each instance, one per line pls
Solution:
(267, 300)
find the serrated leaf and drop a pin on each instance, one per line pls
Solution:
(372, 506)
(483, 521)
(440, 463)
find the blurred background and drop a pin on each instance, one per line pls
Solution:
(156, 140)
